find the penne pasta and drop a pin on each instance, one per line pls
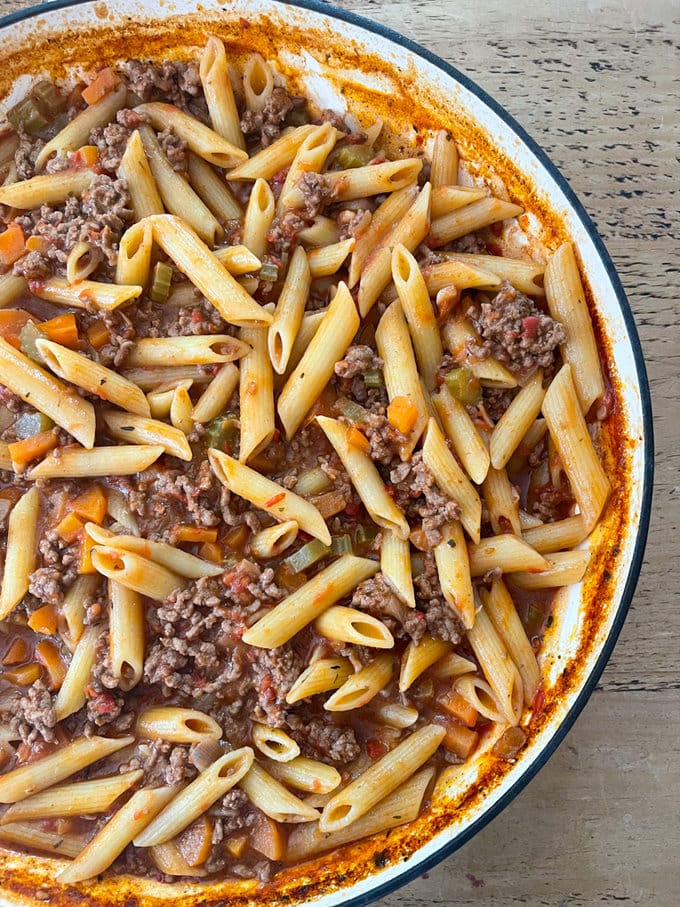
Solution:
(310, 158)
(35, 838)
(75, 462)
(219, 96)
(390, 212)
(452, 665)
(274, 743)
(452, 480)
(322, 675)
(11, 287)
(360, 688)
(256, 394)
(498, 667)
(365, 478)
(289, 311)
(46, 189)
(478, 693)
(145, 431)
(212, 190)
(502, 502)
(85, 293)
(196, 349)
(564, 569)
(393, 714)
(444, 160)
(516, 421)
(71, 695)
(306, 775)
(134, 168)
(177, 725)
(283, 505)
(135, 572)
(508, 553)
(273, 799)
(395, 566)
(73, 607)
(525, 276)
(126, 635)
(418, 658)
(550, 537)
(309, 601)
(258, 82)
(134, 256)
(462, 433)
(469, 219)
(315, 369)
(275, 157)
(217, 394)
(349, 625)
(323, 262)
(453, 569)
(21, 551)
(202, 140)
(274, 540)
(373, 179)
(258, 219)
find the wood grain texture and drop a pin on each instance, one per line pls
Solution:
(596, 82)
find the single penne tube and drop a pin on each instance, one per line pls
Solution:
(196, 261)
(181, 408)
(126, 635)
(11, 287)
(177, 195)
(150, 379)
(469, 219)
(274, 742)
(525, 276)
(33, 777)
(275, 800)
(565, 568)
(71, 695)
(328, 345)
(444, 160)
(451, 479)
(289, 311)
(195, 349)
(76, 799)
(507, 552)
(258, 82)
(202, 140)
(323, 232)
(569, 432)
(96, 379)
(134, 168)
(77, 133)
(400, 807)
(322, 675)
(258, 219)
(394, 714)
(310, 158)
(212, 189)
(36, 838)
(21, 551)
(135, 572)
(502, 502)
(453, 569)
(73, 607)
(45, 189)
(238, 259)
(452, 665)
(401, 372)
(479, 694)
(373, 179)
(86, 293)
(365, 478)
(363, 686)
(549, 537)
(177, 725)
(309, 325)
(78, 463)
(463, 276)
(327, 260)
(176, 560)
(418, 658)
(113, 838)
(410, 231)
(48, 395)
(217, 394)
(459, 337)
(256, 393)
(567, 304)
(309, 601)
(395, 566)
(349, 625)
(420, 317)
(219, 95)
(498, 667)
(462, 433)
(275, 157)
(306, 775)
(450, 198)
(146, 431)
(282, 504)
(381, 778)
(392, 210)
(502, 613)
(197, 797)
(516, 421)
(134, 255)
(274, 540)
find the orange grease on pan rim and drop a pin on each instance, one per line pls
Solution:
(182, 37)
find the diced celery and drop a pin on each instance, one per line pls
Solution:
(374, 378)
(365, 534)
(298, 117)
(307, 555)
(341, 544)
(48, 97)
(464, 385)
(160, 284)
(350, 156)
(27, 117)
(269, 272)
(312, 481)
(223, 433)
(351, 410)
(30, 424)
(28, 335)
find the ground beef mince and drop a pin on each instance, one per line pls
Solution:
(265, 125)
(417, 494)
(353, 223)
(320, 740)
(163, 496)
(283, 233)
(315, 193)
(442, 621)
(517, 333)
(174, 149)
(31, 715)
(172, 82)
(27, 151)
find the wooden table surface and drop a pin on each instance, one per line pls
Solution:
(596, 82)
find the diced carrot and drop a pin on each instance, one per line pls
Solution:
(358, 440)
(460, 740)
(103, 83)
(98, 335)
(237, 845)
(44, 620)
(86, 156)
(12, 244)
(47, 652)
(63, 329)
(85, 564)
(402, 414)
(267, 837)
(36, 244)
(22, 452)
(185, 533)
(17, 652)
(23, 676)
(460, 708)
(211, 551)
(70, 528)
(237, 537)
(12, 321)
(91, 504)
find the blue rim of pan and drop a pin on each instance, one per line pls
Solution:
(408, 874)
